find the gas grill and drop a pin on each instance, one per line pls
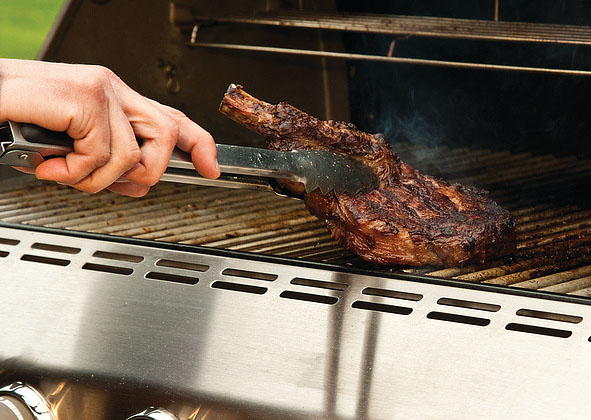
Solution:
(198, 302)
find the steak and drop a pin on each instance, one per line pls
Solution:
(409, 219)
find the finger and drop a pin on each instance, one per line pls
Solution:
(77, 165)
(129, 189)
(124, 155)
(197, 141)
(201, 145)
(187, 135)
(88, 120)
(91, 151)
(159, 135)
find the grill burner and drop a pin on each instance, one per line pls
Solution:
(553, 223)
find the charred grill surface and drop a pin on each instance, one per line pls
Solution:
(410, 219)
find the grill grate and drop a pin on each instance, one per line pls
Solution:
(411, 25)
(546, 194)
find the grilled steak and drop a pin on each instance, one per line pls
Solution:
(410, 219)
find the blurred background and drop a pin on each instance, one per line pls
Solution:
(24, 25)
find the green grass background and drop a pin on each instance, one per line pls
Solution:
(24, 25)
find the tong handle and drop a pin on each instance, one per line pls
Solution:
(38, 140)
(35, 134)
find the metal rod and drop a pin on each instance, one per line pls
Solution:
(194, 33)
(379, 58)
(496, 10)
(417, 26)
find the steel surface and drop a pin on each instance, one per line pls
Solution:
(268, 340)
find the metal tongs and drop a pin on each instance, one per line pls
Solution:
(28, 145)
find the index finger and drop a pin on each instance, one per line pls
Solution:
(195, 140)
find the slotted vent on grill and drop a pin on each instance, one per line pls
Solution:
(45, 260)
(572, 319)
(461, 319)
(319, 284)
(116, 256)
(237, 280)
(182, 265)
(239, 287)
(394, 294)
(106, 268)
(177, 278)
(249, 274)
(381, 307)
(11, 242)
(309, 297)
(459, 303)
(325, 292)
(535, 329)
(56, 248)
(316, 291)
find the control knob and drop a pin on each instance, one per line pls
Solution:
(153, 413)
(22, 402)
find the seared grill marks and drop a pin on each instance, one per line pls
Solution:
(411, 219)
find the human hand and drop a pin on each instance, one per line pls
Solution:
(104, 116)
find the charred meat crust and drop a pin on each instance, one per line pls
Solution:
(410, 219)
(287, 128)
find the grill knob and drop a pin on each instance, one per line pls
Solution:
(153, 413)
(22, 402)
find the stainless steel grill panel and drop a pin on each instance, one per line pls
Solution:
(216, 336)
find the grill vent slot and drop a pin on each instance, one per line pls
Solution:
(530, 313)
(118, 256)
(4, 254)
(489, 307)
(55, 248)
(395, 294)
(381, 307)
(11, 242)
(309, 297)
(533, 329)
(182, 265)
(249, 274)
(176, 278)
(320, 284)
(244, 287)
(107, 269)
(45, 260)
(238, 287)
(461, 319)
